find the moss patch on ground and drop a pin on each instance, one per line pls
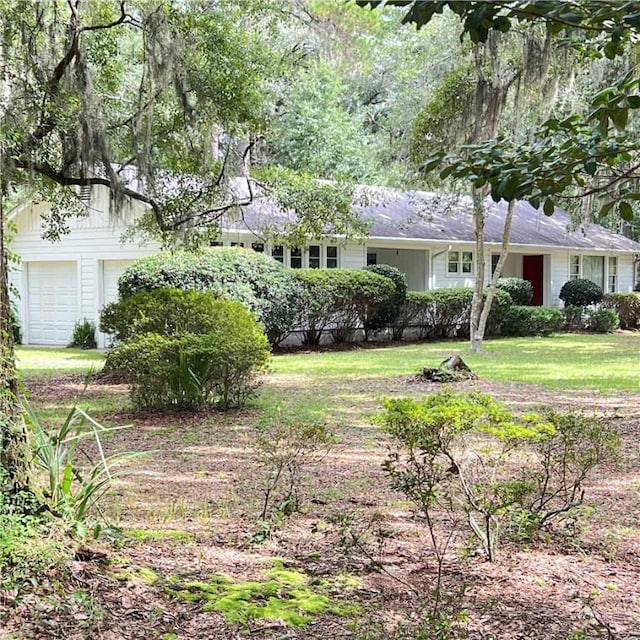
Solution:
(286, 595)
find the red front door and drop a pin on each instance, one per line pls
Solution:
(533, 271)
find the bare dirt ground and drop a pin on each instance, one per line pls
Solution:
(198, 492)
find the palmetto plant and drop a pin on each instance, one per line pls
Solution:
(71, 487)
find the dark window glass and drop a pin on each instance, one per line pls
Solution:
(216, 243)
(332, 257)
(372, 258)
(296, 258)
(258, 247)
(314, 256)
(237, 244)
(277, 253)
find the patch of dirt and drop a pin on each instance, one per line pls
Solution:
(199, 490)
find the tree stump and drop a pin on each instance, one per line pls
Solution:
(453, 369)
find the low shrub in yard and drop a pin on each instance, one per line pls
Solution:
(84, 335)
(602, 320)
(339, 301)
(185, 370)
(261, 284)
(627, 305)
(411, 312)
(446, 313)
(530, 321)
(520, 290)
(471, 458)
(580, 293)
(387, 313)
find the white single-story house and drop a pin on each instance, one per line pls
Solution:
(432, 241)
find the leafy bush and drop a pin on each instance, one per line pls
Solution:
(84, 335)
(531, 321)
(339, 301)
(520, 290)
(446, 313)
(387, 313)
(411, 312)
(262, 284)
(468, 456)
(164, 311)
(183, 370)
(628, 307)
(580, 293)
(602, 320)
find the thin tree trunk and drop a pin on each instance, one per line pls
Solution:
(14, 450)
(476, 302)
(504, 250)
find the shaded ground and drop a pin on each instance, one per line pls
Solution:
(191, 509)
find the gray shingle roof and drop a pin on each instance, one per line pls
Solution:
(444, 218)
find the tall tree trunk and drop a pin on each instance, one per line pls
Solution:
(14, 449)
(504, 250)
(476, 303)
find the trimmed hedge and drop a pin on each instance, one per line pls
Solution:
(164, 311)
(387, 313)
(261, 284)
(339, 301)
(580, 293)
(627, 306)
(531, 321)
(520, 290)
(602, 320)
(446, 313)
(193, 350)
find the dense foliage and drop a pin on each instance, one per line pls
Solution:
(627, 306)
(520, 290)
(530, 321)
(210, 357)
(339, 301)
(387, 313)
(262, 284)
(580, 293)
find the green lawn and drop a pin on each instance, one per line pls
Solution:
(607, 363)
(48, 361)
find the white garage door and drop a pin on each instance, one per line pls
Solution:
(52, 301)
(111, 271)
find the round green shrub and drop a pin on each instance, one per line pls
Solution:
(520, 290)
(262, 284)
(388, 311)
(186, 370)
(580, 293)
(531, 321)
(603, 321)
(167, 312)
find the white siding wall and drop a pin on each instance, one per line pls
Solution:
(353, 256)
(91, 240)
(625, 273)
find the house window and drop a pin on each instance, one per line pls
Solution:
(332, 257)
(612, 274)
(277, 253)
(296, 258)
(460, 262)
(372, 258)
(574, 268)
(258, 247)
(237, 244)
(495, 258)
(314, 256)
(216, 243)
(593, 269)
